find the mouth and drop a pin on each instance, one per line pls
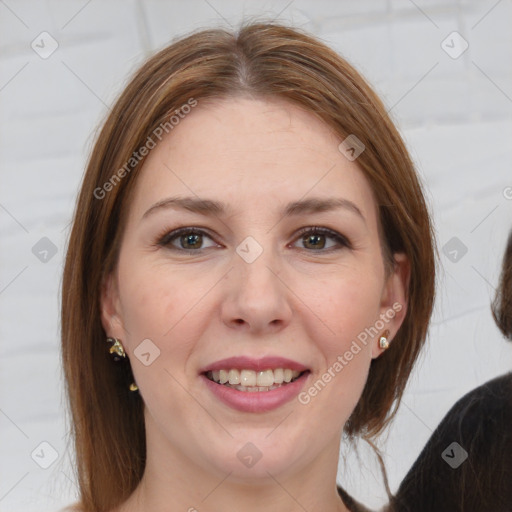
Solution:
(250, 381)
(255, 385)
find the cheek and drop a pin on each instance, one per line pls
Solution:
(153, 299)
(168, 308)
(145, 301)
(154, 307)
(347, 306)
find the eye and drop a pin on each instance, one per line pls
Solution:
(314, 238)
(191, 240)
(186, 239)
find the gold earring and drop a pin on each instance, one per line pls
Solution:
(383, 342)
(117, 348)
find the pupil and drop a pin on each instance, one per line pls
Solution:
(317, 242)
(192, 240)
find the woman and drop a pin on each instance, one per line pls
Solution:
(252, 241)
(466, 465)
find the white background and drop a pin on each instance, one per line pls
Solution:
(455, 114)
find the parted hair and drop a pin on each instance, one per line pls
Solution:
(261, 60)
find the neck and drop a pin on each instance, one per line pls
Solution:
(223, 495)
(171, 480)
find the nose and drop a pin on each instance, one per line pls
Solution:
(257, 299)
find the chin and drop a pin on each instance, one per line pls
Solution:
(256, 458)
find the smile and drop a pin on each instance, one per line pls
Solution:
(252, 381)
(254, 385)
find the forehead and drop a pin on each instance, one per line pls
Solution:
(251, 153)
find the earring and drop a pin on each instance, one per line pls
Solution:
(383, 342)
(119, 354)
(116, 348)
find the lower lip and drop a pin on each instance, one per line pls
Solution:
(257, 401)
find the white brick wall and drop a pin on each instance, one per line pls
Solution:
(456, 116)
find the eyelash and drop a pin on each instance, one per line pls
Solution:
(168, 236)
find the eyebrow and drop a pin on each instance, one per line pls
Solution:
(216, 208)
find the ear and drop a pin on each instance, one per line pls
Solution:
(393, 307)
(110, 305)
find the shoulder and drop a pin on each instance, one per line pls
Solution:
(497, 390)
(474, 438)
(482, 415)
(488, 405)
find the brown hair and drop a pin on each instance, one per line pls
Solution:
(261, 60)
(502, 305)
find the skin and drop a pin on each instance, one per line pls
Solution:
(294, 300)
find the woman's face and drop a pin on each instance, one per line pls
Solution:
(248, 279)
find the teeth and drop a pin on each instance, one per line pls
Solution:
(234, 377)
(265, 378)
(249, 380)
(278, 375)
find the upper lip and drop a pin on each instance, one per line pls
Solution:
(250, 363)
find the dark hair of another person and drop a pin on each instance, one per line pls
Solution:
(481, 424)
(502, 304)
